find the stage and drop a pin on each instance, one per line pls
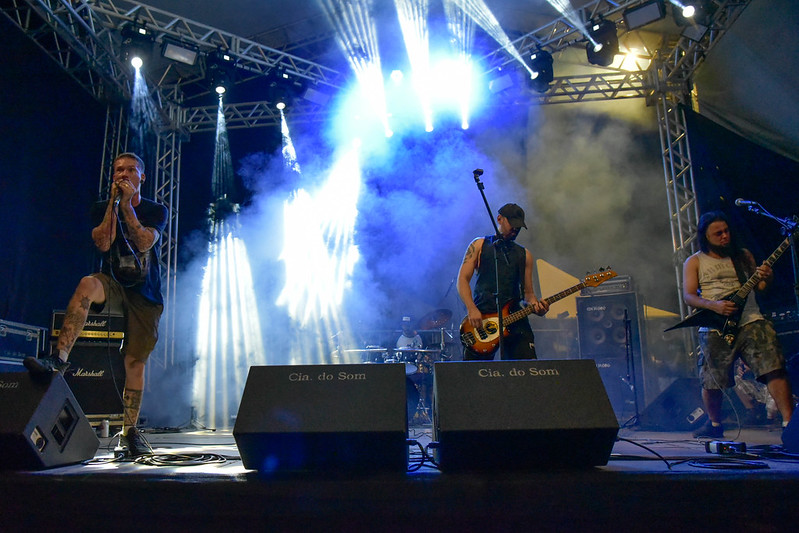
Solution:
(654, 481)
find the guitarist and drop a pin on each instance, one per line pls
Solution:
(709, 276)
(515, 283)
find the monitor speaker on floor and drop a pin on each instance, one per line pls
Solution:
(678, 408)
(323, 417)
(41, 424)
(521, 414)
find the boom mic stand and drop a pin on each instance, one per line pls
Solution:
(630, 378)
(790, 227)
(497, 240)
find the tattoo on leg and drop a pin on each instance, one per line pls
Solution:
(74, 320)
(131, 400)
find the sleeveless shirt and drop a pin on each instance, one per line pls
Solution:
(511, 275)
(717, 279)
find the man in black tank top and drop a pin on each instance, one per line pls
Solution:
(485, 256)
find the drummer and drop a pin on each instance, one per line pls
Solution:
(409, 337)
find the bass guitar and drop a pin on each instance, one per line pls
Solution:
(485, 338)
(728, 325)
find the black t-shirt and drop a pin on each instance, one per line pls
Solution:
(137, 271)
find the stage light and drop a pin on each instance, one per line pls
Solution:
(542, 72)
(317, 97)
(137, 43)
(644, 14)
(603, 44)
(220, 71)
(179, 52)
(689, 12)
(281, 105)
(500, 83)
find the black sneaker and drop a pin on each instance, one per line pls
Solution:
(136, 443)
(710, 431)
(45, 365)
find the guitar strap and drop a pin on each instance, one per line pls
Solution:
(740, 270)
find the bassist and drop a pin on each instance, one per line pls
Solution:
(515, 264)
(719, 269)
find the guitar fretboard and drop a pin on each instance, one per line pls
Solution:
(747, 287)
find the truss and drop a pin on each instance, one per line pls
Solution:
(82, 36)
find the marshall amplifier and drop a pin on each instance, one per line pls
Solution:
(96, 373)
(103, 327)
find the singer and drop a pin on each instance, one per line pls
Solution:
(127, 229)
(719, 269)
(515, 282)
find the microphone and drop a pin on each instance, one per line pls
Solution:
(117, 198)
(740, 202)
(478, 172)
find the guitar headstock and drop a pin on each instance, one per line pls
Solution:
(598, 277)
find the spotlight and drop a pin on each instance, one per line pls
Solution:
(603, 44)
(137, 43)
(317, 97)
(689, 12)
(500, 83)
(542, 73)
(281, 105)
(646, 13)
(179, 52)
(220, 71)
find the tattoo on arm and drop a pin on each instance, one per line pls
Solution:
(469, 253)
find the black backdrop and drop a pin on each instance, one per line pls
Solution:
(727, 166)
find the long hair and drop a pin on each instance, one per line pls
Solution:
(701, 230)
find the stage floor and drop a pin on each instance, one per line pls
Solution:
(654, 481)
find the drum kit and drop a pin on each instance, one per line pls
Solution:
(418, 364)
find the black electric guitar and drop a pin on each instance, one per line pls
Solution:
(485, 338)
(728, 325)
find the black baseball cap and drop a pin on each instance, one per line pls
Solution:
(514, 214)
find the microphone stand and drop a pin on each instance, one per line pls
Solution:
(497, 240)
(631, 380)
(790, 227)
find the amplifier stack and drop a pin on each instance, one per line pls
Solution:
(96, 374)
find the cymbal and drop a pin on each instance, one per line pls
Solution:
(434, 319)
(423, 350)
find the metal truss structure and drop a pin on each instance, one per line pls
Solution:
(83, 37)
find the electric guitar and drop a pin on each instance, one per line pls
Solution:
(728, 325)
(485, 338)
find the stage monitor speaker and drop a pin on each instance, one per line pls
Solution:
(323, 417)
(41, 424)
(603, 338)
(96, 376)
(521, 414)
(678, 408)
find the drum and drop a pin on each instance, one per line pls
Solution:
(426, 358)
(407, 356)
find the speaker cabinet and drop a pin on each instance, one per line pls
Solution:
(602, 322)
(678, 408)
(41, 424)
(324, 417)
(96, 376)
(521, 414)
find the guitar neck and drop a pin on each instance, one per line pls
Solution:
(521, 313)
(747, 287)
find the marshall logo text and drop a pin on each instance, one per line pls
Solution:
(83, 373)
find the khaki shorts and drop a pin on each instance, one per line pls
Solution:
(756, 343)
(141, 317)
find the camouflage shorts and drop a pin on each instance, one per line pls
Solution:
(756, 343)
